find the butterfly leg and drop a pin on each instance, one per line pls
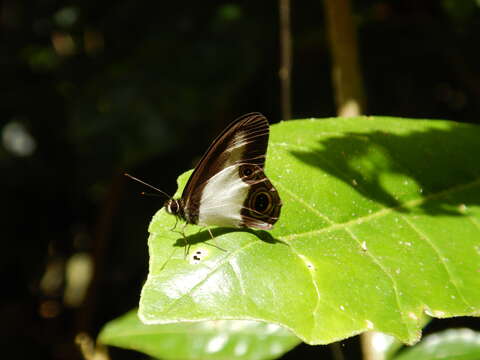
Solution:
(210, 232)
(182, 232)
(213, 240)
(174, 225)
(187, 244)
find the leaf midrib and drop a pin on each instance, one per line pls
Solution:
(385, 211)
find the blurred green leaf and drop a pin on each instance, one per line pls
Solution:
(229, 12)
(222, 339)
(40, 58)
(452, 344)
(67, 16)
(460, 10)
(380, 223)
(383, 346)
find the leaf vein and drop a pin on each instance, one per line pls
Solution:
(317, 290)
(385, 211)
(305, 204)
(237, 274)
(387, 273)
(440, 256)
(213, 270)
(474, 221)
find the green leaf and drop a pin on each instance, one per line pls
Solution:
(452, 344)
(221, 339)
(382, 346)
(380, 223)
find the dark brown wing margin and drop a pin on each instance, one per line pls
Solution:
(248, 133)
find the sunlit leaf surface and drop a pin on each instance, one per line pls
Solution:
(380, 223)
(218, 339)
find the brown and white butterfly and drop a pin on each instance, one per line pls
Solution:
(228, 186)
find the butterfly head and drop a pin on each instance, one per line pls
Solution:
(174, 207)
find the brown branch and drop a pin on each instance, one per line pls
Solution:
(368, 350)
(347, 78)
(285, 59)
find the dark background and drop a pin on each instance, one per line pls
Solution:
(90, 89)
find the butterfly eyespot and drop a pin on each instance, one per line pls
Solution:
(249, 173)
(246, 171)
(262, 202)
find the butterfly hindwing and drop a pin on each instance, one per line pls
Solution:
(262, 205)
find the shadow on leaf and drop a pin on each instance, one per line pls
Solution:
(442, 164)
(203, 236)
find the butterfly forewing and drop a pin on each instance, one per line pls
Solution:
(228, 186)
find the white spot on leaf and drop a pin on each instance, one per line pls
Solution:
(307, 262)
(240, 348)
(216, 343)
(364, 246)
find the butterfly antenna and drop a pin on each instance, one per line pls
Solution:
(150, 194)
(146, 184)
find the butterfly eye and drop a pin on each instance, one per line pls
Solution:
(171, 207)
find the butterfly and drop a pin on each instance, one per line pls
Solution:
(228, 186)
